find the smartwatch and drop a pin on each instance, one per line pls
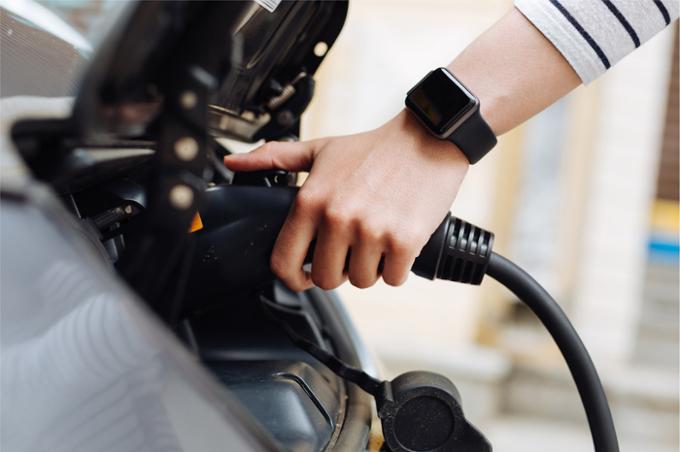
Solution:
(450, 111)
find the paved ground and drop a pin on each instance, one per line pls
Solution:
(518, 434)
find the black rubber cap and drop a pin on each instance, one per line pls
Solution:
(424, 413)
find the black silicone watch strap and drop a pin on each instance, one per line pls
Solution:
(474, 137)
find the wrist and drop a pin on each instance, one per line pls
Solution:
(405, 127)
(450, 111)
(491, 98)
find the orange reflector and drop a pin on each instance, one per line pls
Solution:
(196, 223)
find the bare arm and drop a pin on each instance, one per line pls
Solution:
(380, 194)
(515, 71)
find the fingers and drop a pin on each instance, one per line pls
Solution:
(364, 262)
(336, 230)
(285, 155)
(291, 248)
(300, 226)
(330, 254)
(396, 268)
(399, 259)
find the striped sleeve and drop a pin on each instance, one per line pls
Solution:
(593, 35)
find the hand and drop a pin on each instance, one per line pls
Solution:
(374, 196)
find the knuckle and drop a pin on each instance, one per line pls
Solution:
(338, 216)
(395, 280)
(371, 230)
(401, 244)
(407, 242)
(324, 279)
(324, 282)
(308, 200)
(362, 281)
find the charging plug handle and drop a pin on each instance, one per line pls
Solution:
(457, 251)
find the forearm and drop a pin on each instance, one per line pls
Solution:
(514, 71)
(374, 198)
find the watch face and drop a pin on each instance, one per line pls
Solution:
(439, 100)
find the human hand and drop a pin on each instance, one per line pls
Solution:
(373, 196)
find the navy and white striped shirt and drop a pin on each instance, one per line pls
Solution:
(595, 34)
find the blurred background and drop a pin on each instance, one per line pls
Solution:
(584, 196)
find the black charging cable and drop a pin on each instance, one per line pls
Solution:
(461, 252)
(582, 369)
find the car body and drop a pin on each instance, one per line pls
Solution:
(96, 353)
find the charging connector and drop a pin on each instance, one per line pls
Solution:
(457, 251)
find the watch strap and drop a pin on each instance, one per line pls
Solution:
(474, 137)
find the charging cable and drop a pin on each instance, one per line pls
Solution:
(575, 354)
(418, 410)
(461, 252)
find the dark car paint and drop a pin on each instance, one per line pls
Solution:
(86, 366)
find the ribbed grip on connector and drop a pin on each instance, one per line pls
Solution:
(466, 253)
(457, 251)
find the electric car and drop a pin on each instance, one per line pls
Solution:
(109, 340)
(138, 309)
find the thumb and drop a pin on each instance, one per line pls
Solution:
(285, 155)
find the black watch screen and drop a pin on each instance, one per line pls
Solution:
(440, 102)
